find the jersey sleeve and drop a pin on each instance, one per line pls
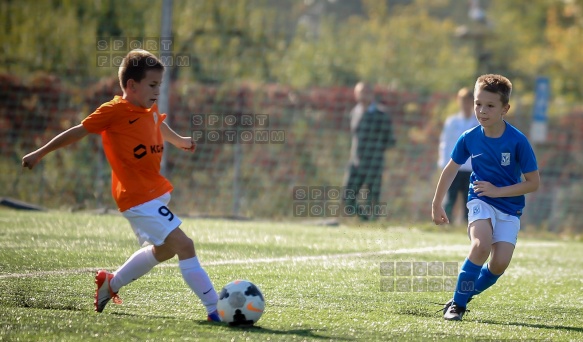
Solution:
(163, 117)
(526, 157)
(460, 153)
(100, 119)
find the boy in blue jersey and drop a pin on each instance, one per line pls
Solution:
(500, 155)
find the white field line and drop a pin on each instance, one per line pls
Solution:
(293, 259)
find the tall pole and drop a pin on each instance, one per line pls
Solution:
(237, 159)
(240, 107)
(477, 31)
(163, 102)
(479, 27)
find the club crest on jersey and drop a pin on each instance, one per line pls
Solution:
(505, 159)
(475, 210)
(155, 117)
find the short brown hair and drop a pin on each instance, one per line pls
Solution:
(135, 64)
(496, 84)
(465, 93)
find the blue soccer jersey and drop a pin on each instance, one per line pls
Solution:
(500, 161)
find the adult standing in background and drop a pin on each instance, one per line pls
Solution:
(372, 134)
(453, 128)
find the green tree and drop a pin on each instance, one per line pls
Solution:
(547, 42)
(403, 43)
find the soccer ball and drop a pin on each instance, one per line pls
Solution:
(240, 303)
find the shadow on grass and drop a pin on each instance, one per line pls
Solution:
(534, 325)
(19, 300)
(143, 316)
(420, 312)
(304, 333)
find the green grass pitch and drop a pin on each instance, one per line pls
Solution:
(320, 284)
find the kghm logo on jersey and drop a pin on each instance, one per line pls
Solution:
(140, 151)
(505, 159)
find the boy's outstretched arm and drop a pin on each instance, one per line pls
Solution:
(185, 143)
(447, 175)
(67, 137)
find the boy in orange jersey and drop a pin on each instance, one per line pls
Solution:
(133, 134)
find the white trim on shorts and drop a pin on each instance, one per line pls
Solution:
(505, 227)
(152, 221)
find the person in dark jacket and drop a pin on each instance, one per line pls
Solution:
(371, 130)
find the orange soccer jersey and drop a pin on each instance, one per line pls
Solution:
(133, 146)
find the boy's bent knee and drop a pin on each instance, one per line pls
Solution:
(185, 249)
(180, 244)
(481, 248)
(163, 253)
(185, 245)
(479, 252)
(498, 266)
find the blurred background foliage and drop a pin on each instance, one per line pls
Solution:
(414, 44)
(296, 60)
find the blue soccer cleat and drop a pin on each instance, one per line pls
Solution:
(214, 317)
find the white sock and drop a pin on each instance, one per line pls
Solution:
(140, 263)
(198, 280)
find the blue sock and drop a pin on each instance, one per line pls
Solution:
(485, 280)
(466, 282)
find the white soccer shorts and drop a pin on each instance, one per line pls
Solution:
(505, 227)
(152, 221)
